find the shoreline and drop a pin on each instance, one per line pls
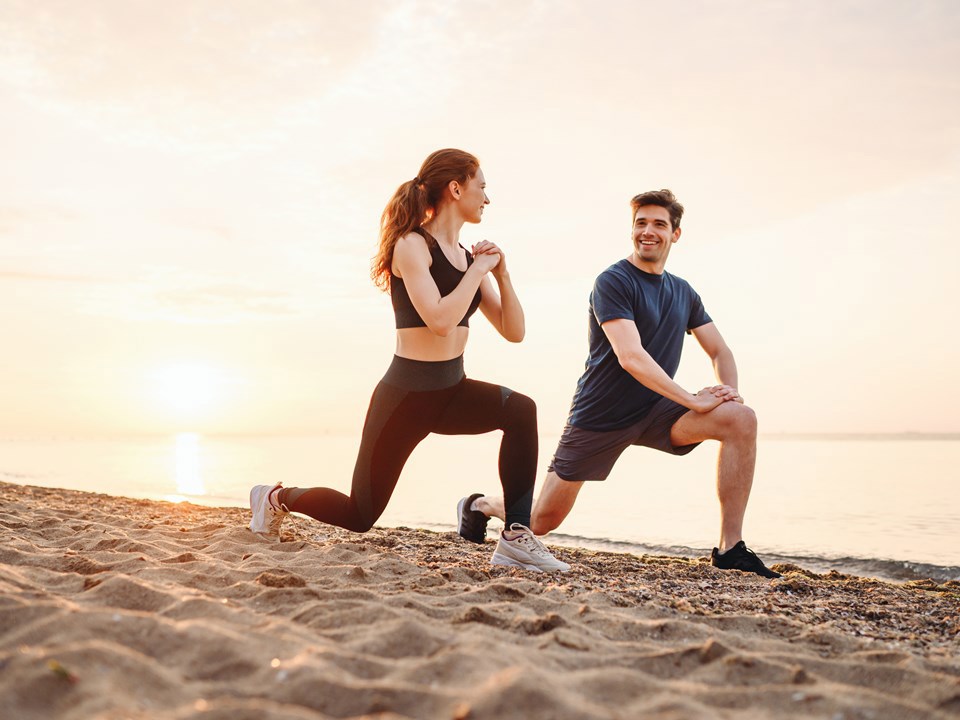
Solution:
(116, 607)
(883, 569)
(887, 569)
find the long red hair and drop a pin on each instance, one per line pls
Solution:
(415, 202)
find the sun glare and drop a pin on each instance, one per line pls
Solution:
(188, 390)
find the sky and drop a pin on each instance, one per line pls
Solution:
(190, 195)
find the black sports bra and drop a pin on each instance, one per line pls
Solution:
(445, 275)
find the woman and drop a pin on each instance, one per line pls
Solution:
(435, 286)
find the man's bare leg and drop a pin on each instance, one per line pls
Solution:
(554, 503)
(735, 426)
(549, 509)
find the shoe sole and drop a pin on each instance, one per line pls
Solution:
(499, 559)
(773, 574)
(752, 572)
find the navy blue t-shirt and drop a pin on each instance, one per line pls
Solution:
(664, 307)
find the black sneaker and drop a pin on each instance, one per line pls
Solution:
(740, 557)
(471, 524)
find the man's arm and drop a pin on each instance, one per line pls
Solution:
(625, 339)
(720, 355)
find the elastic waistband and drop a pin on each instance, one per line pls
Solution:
(424, 375)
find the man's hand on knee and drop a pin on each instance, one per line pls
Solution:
(726, 393)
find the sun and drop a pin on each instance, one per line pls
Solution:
(189, 390)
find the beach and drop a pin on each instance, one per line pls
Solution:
(122, 608)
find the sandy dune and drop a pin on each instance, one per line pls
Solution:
(114, 608)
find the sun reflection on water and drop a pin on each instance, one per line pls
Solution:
(186, 467)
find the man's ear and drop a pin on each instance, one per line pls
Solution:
(676, 235)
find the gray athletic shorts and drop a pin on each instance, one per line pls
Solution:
(590, 455)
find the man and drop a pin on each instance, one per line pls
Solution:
(626, 396)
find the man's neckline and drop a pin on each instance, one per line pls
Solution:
(630, 262)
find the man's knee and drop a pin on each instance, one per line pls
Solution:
(737, 421)
(554, 504)
(543, 522)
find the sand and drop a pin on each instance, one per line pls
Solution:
(116, 608)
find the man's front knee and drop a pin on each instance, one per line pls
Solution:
(739, 420)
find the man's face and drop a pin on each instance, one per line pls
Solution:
(653, 235)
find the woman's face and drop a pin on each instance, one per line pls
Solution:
(473, 197)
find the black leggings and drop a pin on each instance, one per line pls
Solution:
(416, 398)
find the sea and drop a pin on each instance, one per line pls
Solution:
(885, 506)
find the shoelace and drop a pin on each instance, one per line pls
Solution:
(275, 521)
(533, 545)
(750, 552)
(279, 510)
(749, 558)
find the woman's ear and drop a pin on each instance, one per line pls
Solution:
(454, 187)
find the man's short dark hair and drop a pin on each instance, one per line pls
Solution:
(664, 198)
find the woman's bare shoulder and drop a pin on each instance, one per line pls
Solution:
(412, 243)
(410, 252)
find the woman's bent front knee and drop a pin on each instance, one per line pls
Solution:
(520, 408)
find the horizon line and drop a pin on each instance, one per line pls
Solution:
(773, 435)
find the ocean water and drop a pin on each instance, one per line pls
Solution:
(884, 506)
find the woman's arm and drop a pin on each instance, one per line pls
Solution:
(503, 310)
(411, 259)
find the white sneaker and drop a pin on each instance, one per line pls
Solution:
(525, 551)
(266, 519)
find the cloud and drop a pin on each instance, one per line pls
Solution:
(185, 72)
(221, 304)
(243, 75)
(173, 295)
(46, 277)
(170, 295)
(14, 219)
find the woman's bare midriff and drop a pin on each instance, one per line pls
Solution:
(422, 344)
